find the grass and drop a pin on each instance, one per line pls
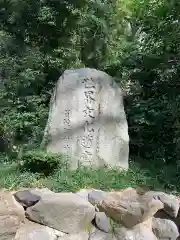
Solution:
(70, 181)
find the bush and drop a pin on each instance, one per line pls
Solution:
(40, 162)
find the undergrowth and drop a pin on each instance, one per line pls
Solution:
(62, 179)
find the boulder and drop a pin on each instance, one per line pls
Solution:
(41, 192)
(95, 196)
(87, 121)
(11, 215)
(163, 215)
(129, 209)
(34, 231)
(177, 220)
(100, 235)
(125, 194)
(164, 229)
(76, 236)
(26, 198)
(137, 233)
(85, 193)
(171, 203)
(66, 212)
(102, 222)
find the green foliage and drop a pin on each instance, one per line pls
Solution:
(12, 178)
(40, 162)
(64, 180)
(154, 101)
(135, 41)
(36, 45)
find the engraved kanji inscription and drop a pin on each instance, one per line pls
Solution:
(89, 112)
(88, 127)
(86, 141)
(90, 98)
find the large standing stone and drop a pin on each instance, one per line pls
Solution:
(87, 120)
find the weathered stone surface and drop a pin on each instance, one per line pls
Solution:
(125, 194)
(87, 120)
(99, 235)
(8, 227)
(177, 220)
(26, 198)
(41, 192)
(34, 231)
(129, 209)
(11, 215)
(102, 222)
(164, 229)
(164, 215)
(84, 193)
(171, 203)
(65, 212)
(76, 236)
(137, 233)
(95, 196)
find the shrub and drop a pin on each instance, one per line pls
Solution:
(40, 162)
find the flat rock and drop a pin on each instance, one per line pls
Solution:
(164, 229)
(87, 121)
(11, 215)
(34, 231)
(129, 209)
(66, 212)
(26, 198)
(102, 222)
(171, 203)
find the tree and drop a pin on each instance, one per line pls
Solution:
(136, 41)
(154, 114)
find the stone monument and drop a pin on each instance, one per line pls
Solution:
(87, 121)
